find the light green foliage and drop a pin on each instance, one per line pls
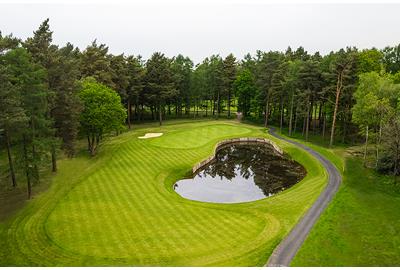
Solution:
(120, 208)
(364, 111)
(102, 111)
(369, 60)
(376, 99)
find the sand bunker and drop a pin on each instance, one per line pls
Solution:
(150, 135)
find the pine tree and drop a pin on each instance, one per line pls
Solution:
(95, 62)
(268, 64)
(342, 69)
(136, 73)
(310, 85)
(229, 65)
(67, 105)
(13, 115)
(39, 47)
(159, 82)
(182, 68)
(29, 78)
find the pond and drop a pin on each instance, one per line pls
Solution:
(241, 172)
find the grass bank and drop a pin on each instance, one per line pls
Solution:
(361, 225)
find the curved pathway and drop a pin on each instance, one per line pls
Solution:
(287, 249)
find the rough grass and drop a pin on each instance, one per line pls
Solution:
(120, 209)
(361, 226)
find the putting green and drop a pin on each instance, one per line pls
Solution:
(198, 136)
(119, 208)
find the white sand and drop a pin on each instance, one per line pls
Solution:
(150, 135)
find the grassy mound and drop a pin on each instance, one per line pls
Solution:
(119, 208)
(360, 227)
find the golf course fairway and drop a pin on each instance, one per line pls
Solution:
(119, 208)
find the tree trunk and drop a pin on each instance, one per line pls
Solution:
(129, 107)
(291, 114)
(92, 145)
(295, 116)
(338, 89)
(229, 104)
(36, 170)
(266, 114)
(141, 112)
(281, 120)
(396, 162)
(366, 147)
(26, 165)
(324, 122)
(213, 105)
(308, 119)
(89, 144)
(53, 159)
(10, 161)
(378, 142)
(315, 118)
(136, 112)
(320, 116)
(35, 167)
(344, 128)
(218, 105)
(160, 114)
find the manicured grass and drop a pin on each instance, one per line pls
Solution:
(119, 208)
(361, 226)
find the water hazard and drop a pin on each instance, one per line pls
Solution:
(241, 172)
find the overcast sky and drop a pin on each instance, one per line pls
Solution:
(201, 28)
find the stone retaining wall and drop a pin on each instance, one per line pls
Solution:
(231, 141)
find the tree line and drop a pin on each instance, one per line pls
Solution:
(51, 96)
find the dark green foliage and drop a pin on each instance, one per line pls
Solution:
(29, 79)
(391, 59)
(13, 115)
(182, 68)
(95, 62)
(135, 87)
(245, 89)
(67, 104)
(159, 82)
(8, 42)
(229, 76)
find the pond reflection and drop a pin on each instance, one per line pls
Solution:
(242, 173)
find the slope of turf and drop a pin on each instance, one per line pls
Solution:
(120, 209)
(361, 226)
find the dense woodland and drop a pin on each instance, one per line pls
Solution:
(51, 97)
